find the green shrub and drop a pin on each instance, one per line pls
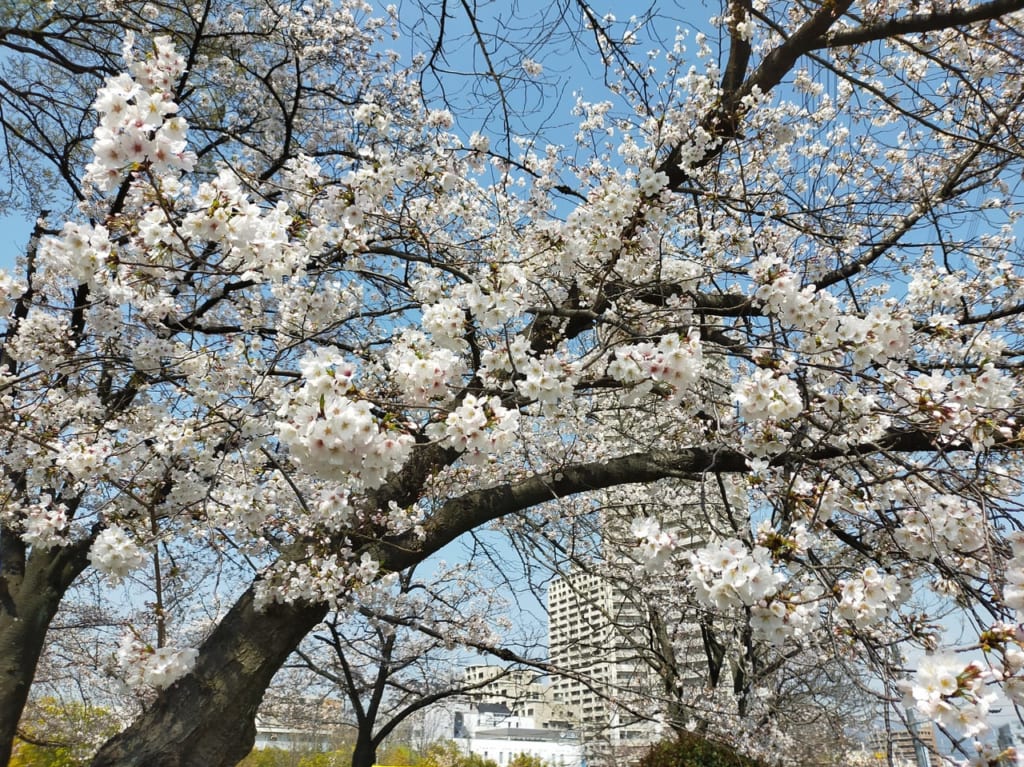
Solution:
(527, 760)
(692, 750)
(281, 757)
(342, 758)
(270, 757)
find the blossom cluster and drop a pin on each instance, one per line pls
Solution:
(497, 297)
(115, 554)
(547, 380)
(84, 458)
(870, 597)
(480, 428)
(655, 545)
(45, 523)
(335, 436)
(881, 334)
(727, 574)
(254, 240)
(786, 616)
(779, 292)
(81, 251)
(10, 289)
(446, 322)
(676, 361)
(422, 371)
(134, 126)
(974, 405)
(1013, 592)
(324, 578)
(42, 338)
(766, 396)
(942, 523)
(952, 692)
(145, 666)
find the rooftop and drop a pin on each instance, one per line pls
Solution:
(526, 733)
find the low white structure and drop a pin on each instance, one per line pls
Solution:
(271, 733)
(553, 747)
(493, 732)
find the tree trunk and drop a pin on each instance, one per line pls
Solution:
(365, 752)
(30, 593)
(21, 642)
(668, 669)
(208, 719)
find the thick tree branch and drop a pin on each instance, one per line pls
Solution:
(920, 23)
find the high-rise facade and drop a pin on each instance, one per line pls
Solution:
(602, 639)
(621, 638)
(583, 639)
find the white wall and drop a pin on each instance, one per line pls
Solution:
(558, 753)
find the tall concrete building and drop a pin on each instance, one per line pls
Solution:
(609, 628)
(589, 625)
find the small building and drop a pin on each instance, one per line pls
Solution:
(555, 748)
(915, 748)
(493, 731)
(271, 733)
(522, 691)
(300, 724)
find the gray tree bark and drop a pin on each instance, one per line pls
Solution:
(31, 588)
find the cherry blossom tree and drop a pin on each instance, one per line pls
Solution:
(58, 53)
(305, 322)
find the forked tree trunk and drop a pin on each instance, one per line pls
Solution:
(208, 721)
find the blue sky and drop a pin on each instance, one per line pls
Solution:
(14, 233)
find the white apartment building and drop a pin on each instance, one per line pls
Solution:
(589, 625)
(603, 636)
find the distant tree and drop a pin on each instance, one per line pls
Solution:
(53, 733)
(447, 754)
(527, 760)
(388, 666)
